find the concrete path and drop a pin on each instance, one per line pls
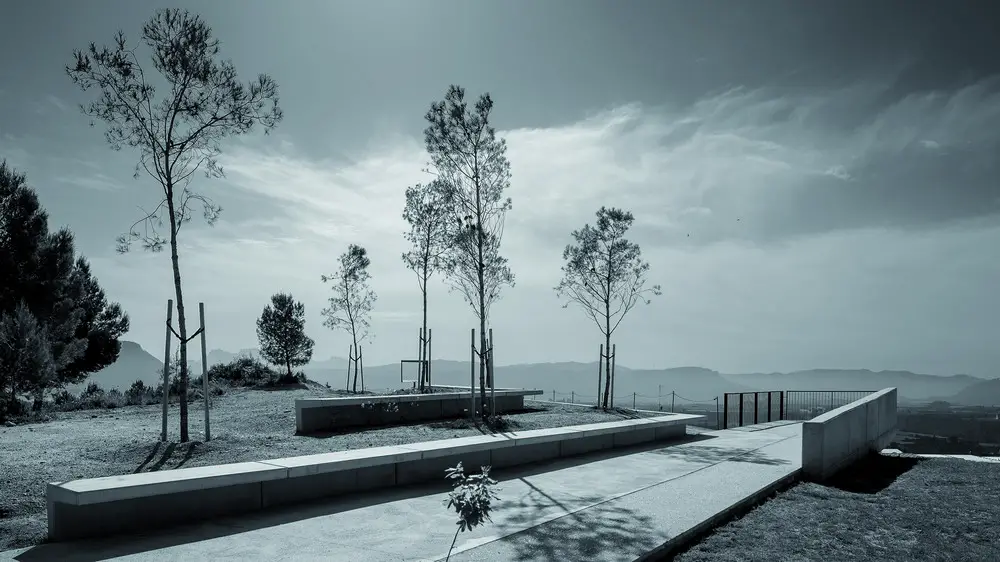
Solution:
(614, 506)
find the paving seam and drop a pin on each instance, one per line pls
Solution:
(619, 496)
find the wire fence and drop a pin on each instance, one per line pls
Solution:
(669, 403)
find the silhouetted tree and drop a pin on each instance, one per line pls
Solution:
(428, 213)
(281, 330)
(351, 304)
(604, 270)
(472, 163)
(38, 270)
(26, 363)
(180, 133)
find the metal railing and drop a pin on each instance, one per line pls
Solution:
(751, 408)
(807, 404)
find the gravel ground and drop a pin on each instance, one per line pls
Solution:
(247, 425)
(939, 510)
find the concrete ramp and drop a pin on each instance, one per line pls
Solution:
(619, 505)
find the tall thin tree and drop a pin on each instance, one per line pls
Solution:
(472, 162)
(281, 331)
(180, 133)
(428, 213)
(352, 301)
(604, 273)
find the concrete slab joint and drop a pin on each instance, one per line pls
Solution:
(134, 502)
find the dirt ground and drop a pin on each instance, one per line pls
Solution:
(247, 425)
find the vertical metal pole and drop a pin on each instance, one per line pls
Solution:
(741, 410)
(659, 402)
(673, 396)
(718, 423)
(600, 361)
(204, 371)
(472, 378)
(725, 410)
(493, 379)
(572, 397)
(769, 406)
(756, 402)
(614, 357)
(633, 400)
(781, 405)
(166, 370)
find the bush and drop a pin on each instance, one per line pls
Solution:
(244, 371)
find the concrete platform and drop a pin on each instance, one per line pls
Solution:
(617, 505)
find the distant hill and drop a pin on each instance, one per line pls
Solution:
(982, 393)
(696, 384)
(133, 363)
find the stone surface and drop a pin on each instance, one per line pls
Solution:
(606, 507)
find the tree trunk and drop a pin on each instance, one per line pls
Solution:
(288, 364)
(181, 327)
(607, 352)
(423, 335)
(355, 383)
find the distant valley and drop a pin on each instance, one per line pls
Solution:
(579, 380)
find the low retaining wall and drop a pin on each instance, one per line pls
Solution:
(833, 440)
(331, 414)
(98, 507)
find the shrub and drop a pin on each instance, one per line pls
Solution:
(471, 499)
(92, 389)
(244, 371)
(63, 398)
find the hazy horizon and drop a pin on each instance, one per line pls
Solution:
(814, 185)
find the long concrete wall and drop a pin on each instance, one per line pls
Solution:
(332, 414)
(834, 440)
(150, 500)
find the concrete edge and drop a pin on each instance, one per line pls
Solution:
(56, 492)
(693, 535)
(357, 401)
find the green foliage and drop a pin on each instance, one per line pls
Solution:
(471, 498)
(39, 270)
(250, 372)
(352, 301)
(604, 274)
(282, 336)
(26, 363)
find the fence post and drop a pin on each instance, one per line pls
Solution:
(600, 358)
(472, 378)
(614, 359)
(725, 410)
(741, 410)
(166, 371)
(572, 397)
(769, 405)
(781, 405)
(204, 371)
(718, 422)
(633, 400)
(659, 401)
(673, 396)
(756, 403)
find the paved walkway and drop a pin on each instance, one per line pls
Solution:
(608, 507)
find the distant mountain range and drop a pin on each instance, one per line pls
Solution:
(579, 380)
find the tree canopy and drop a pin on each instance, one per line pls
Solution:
(282, 335)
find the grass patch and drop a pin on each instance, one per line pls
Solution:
(882, 510)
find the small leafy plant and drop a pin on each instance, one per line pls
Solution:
(470, 498)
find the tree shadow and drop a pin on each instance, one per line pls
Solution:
(165, 456)
(712, 455)
(871, 474)
(582, 534)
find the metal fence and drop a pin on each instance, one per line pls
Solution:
(736, 409)
(665, 402)
(750, 408)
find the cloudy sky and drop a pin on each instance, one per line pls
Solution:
(815, 184)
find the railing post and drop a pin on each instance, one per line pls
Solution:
(769, 393)
(781, 405)
(756, 403)
(741, 410)
(725, 410)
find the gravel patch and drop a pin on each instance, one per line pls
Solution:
(247, 425)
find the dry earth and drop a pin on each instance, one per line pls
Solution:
(247, 425)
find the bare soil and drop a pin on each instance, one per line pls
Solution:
(247, 425)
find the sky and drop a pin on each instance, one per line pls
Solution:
(814, 184)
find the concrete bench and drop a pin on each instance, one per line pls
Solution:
(330, 414)
(833, 440)
(135, 502)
